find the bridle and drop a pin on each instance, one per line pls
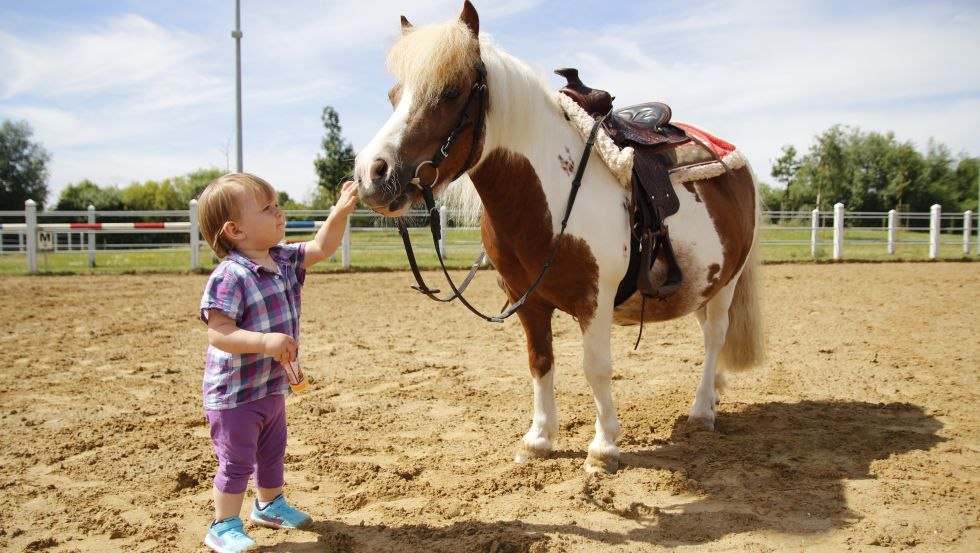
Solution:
(478, 93)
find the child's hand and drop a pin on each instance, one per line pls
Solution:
(348, 197)
(280, 347)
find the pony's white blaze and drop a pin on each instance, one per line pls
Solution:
(384, 145)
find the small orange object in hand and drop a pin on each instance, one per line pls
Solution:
(297, 380)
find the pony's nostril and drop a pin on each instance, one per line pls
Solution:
(379, 169)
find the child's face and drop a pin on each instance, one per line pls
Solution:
(262, 223)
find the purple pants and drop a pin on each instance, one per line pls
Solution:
(249, 439)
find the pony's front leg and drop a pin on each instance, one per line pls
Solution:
(597, 364)
(538, 441)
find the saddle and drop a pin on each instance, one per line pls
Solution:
(646, 128)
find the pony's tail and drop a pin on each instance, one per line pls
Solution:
(745, 341)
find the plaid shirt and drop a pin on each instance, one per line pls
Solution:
(258, 300)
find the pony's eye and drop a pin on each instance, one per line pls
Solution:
(449, 94)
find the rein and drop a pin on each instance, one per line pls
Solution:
(479, 89)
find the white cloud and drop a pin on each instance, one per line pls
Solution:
(126, 55)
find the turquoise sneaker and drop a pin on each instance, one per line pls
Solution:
(278, 514)
(228, 536)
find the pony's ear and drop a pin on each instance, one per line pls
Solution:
(470, 18)
(406, 25)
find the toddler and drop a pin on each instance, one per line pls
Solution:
(251, 305)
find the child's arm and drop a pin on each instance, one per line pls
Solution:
(332, 232)
(225, 335)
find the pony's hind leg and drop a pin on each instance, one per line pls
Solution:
(597, 364)
(713, 318)
(538, 441)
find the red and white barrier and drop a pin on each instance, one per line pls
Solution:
(39, 236)
(171, 225)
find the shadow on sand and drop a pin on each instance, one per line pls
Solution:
(771, 466)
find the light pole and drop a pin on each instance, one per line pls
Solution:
(237, 35)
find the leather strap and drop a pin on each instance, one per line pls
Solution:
(413, 264)
(458, 291)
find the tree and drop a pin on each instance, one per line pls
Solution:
(335, 164)
(152, 196)
(77, 197)
(283, 199)
(772, 197)
(827, 168)
(192, 184)
(906, 172)
(784, 171)
(23, 167)
(967, 175)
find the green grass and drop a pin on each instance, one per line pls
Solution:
(859, 245)
(382, 250)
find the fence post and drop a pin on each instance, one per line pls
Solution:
(892, 230)
(838, 230)
(30, 217)
(935, 217)
(345, 246)
(91, 237)
(814, 229)
(967, 231)
(195, 235)
(442, 238)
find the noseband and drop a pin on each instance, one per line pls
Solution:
(478, 94)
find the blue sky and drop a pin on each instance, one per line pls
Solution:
(131, 90)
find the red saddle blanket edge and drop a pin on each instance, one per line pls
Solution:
(720, 147)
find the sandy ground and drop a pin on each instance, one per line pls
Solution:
(861, 433)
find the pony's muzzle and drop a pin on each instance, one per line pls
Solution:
(380, 187)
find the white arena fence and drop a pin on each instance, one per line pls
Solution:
(827, 234)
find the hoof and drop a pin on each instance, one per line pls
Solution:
(701, 423)
(595, 464)
(527, 452)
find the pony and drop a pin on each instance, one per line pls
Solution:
(467, 112)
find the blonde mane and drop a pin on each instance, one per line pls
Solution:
(429, 59)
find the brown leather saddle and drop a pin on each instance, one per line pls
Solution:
(646, 128)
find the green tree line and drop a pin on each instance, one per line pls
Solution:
(870, 171)
(152, 195)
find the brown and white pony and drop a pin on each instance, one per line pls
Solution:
(520, 152)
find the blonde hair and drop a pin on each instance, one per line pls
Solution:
(429, 59)
(219, 204)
